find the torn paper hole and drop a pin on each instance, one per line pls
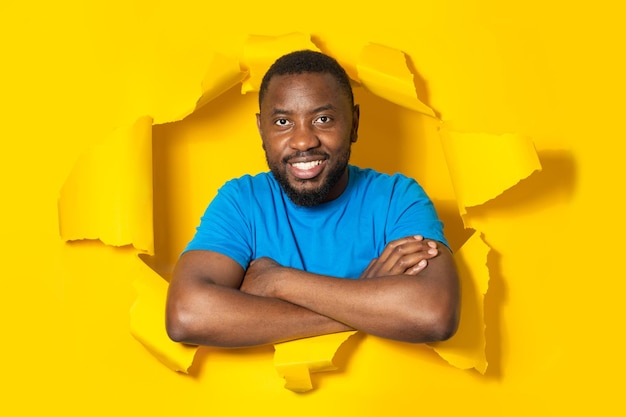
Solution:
(108, 196)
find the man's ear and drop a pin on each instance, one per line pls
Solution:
(258, 126)
(354, 134)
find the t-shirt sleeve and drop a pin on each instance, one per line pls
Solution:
(413, 213)
(224, 227)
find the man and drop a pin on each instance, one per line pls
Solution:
(317, 245)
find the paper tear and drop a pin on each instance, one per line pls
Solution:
(384, 72)
(108, 194)
(147, 323)
(482, 166)
(297, 359)
(260, 52)
(466, 349)
(223, 74)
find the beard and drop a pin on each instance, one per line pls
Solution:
(314, 196)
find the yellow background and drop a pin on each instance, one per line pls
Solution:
(74, 71)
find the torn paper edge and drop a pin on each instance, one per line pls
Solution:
(297, 372)
(236, 78)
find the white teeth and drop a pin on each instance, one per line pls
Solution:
(306, 165)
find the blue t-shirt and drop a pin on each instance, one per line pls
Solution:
(251, 217)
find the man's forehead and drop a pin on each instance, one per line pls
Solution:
(282, 80)
(280, 86)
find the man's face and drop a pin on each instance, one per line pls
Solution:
(308, 124)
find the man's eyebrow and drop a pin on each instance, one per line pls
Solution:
(323, 108)
(278, 111)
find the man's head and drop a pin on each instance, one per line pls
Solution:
(308, 122)
(307, 61)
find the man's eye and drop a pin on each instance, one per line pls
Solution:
(322, 119)
(282, 122)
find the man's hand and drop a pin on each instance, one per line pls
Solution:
(257, 278)
(408, 255)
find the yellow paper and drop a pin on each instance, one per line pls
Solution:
(466, 349)
(297, 359)
(260, 52)
(482, 166)
(223, 74)
(489, 66)
(108, 195)
(147, 323)
(384, 72)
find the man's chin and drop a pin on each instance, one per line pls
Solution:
(304, 192)
(306, 197)
(305, 185)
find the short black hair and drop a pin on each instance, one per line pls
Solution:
(307, 61)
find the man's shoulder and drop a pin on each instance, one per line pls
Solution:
(397, 188)
(372, 177)
(250, 181)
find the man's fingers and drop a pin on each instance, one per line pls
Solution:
(410, 258)
(417, 268)
(365, 274)
(408, 255)
(409, 247)
(399, 243)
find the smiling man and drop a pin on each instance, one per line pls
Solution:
(307, 131)
(316, 245)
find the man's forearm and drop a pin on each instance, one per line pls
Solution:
(227, 317)
(420, 308)
(389, 307)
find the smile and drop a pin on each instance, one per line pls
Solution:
(306, 165)
(305, 170)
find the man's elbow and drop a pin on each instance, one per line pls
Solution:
(445, 326)
(176, 328)
(181, 325)
(437, 325)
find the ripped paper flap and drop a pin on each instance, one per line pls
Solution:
(384, 72)
(482, 166)
(297, 359)
(147, 323)
(466, 349)
(260, 52)
(108, 194)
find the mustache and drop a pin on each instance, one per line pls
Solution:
(305, 154)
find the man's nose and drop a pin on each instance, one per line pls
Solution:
(304, 138)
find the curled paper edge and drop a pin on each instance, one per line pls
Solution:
(108, 194)
(261, 51)
(478, 177)
(403, 93)
(466, 349)
(149, 328)
(384, 72)
(297, 359)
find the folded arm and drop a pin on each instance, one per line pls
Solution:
(409, 293)
(206, 307)
(393, 299)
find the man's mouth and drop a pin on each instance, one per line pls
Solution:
(306, 170)
(306, 165)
